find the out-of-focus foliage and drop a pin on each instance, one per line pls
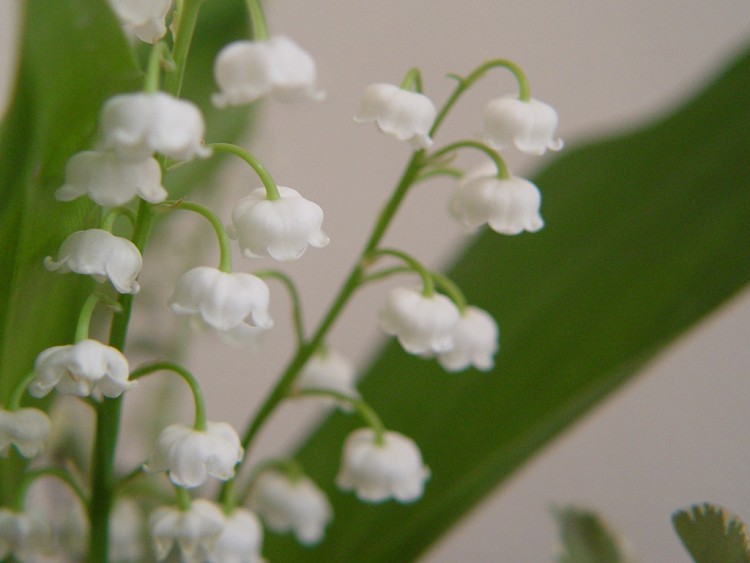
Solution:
(712, 534)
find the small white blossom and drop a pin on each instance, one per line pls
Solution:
(280, 228)
(78, 369)
(241, 539)
(423, 325)
(529, 125)
(293, 504)
(25, 535)
(377, 472)
(125, 536)
(236, 304)
(508, 205)
(195, 530)
(110, 181)
(190, 455)
(27, 429)
(404, 114)
(143, 18)
(137, 125)
(248, 70)
(331, 371)
(475, 342)
(102, 255)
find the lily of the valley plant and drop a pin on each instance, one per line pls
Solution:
(142, 136)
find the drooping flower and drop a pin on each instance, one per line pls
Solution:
(293, 504)
(190, 456)
(25, 535)
(27, 429)
(404, 114)
(248, 70)
(110, 181)
(143, 18)
(377, 472)
(78, 369)
(236, 304)
(422, 324)
(125, 536)
(136, 125)
(331, 371)
(529, 125)
(241, 539)
(508, 205)
(195, 530)
(280, 228)
(475, 342)
(102, 255)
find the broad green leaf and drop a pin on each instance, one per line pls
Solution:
(585, 538)
(646, 234)
(712, 534)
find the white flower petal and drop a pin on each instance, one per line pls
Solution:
(377, 472)
(241, 539)
(475, 342)
(143, 18)
(27, 429)
(195, 530)
(529, 125)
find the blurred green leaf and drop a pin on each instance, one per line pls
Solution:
(585, 538)
(646, 234)
(712, 534)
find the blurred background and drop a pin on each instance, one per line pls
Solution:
(673, 436)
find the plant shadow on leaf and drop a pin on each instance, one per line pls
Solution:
(646, 234)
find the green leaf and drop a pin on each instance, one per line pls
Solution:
(646, 234)
(585, 538)
(712, 534)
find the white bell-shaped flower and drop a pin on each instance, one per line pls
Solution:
(331, 371)
(27, 429)
(190, 456)
(508, 205)
(377, 472)
(78, 369)
(293, 504)
(125, 532)
(136, 125)
(404, 114)
(110, 181)
(102, 255)
(529, 125)
(475, 342)
(280, 228)
(236, 304)
(248, 70)
(195, 530)
(423, 324)
(241, 539)
(143, 18)
(25, 535)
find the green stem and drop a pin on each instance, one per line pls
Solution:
(502, 169)
(352, 282)
(452, 172)
(183, 498)
(257, 20)
(84, 317)
(14, 401)
(187, 17)
(299, 327)
(153, 70)
(452, 290)
(365, 411)
(272, 190)
(108, 417)
(56, 472)
(108, 222)
(412, 81)
(428, 286)
(225, 248)
(466, 83)
(386, 273)
(195, 389)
